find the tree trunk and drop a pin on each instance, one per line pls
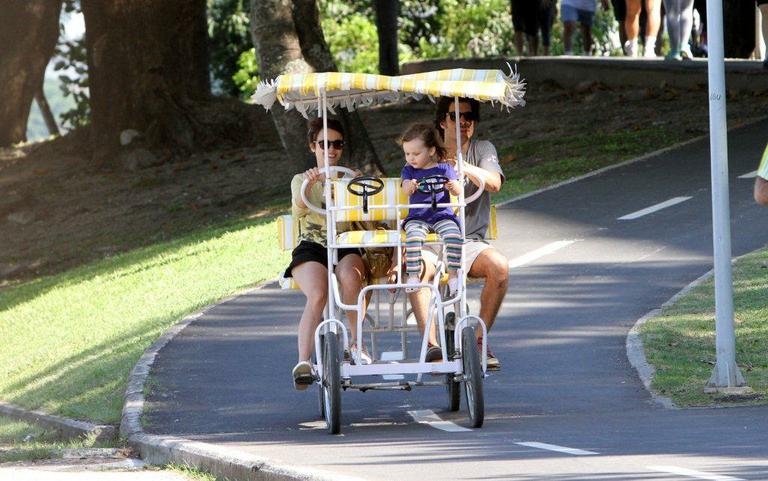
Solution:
(45, 109)
(278, 52)
(387, 12)
(315, 50)
(739, 28)
(147, 67)
(28, 33)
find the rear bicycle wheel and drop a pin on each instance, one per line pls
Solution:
(331, 383)
(473, 377)
(452, 387)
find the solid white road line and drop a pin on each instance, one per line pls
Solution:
(540, 252)
(428, 417)
(750, 175)
(654, 208)
(693, 474)
(559, 449)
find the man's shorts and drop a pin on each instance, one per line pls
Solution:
(524, 16)
(472, 250)
(572, 14)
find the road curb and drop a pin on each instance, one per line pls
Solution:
(636, 351)
(222, 462)
(69, 428)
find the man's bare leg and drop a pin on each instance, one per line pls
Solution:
(493, 267)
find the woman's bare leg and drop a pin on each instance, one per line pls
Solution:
(351, 274)
(312, 278)
(632, 20)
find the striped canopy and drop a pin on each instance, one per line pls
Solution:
(349, 90)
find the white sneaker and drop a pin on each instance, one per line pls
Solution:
(365, 359)
(303, 375)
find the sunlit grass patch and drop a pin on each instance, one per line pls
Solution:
(680, 343)
(69, 341)
(20, 441)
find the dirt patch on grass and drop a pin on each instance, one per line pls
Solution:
(59, 211)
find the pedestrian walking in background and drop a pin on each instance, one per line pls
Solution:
(632, 26)
(528, 18)
(679, 25)
(580, 12)
(763, 5)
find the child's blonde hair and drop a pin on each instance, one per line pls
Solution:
(428, 135)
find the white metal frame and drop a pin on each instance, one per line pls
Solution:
(437, 305)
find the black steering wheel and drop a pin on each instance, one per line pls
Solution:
(433, 184)
(364, 186)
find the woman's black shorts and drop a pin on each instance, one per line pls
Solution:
(308, 251)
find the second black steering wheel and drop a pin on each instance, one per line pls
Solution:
(433, 184)
(365, 186)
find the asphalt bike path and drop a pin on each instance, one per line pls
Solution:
(588, 259)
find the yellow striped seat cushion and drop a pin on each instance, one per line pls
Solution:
(287, 232)
(373, 237)
(391, 194)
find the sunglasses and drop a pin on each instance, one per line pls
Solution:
(467, 116)
(336, 144)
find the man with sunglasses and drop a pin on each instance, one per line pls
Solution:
(483, 260)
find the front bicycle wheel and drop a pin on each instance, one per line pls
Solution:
(331, 383)
(473, 377)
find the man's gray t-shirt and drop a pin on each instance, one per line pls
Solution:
(483, 154)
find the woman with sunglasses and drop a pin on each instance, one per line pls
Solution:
(309, 261)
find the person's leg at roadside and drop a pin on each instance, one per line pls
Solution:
(686, 27)
(653, 7)
(632, 27)
(569, 17)
(350, 271)
(585, 22)
(620, 14)
(545, 19)
(312, 279)
(673, 28)
(493, 267)
(518, 7)
(764, 13)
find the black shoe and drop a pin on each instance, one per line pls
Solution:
(434, 353)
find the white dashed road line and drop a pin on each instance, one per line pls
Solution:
(559, 449)
(540, 252)
(693, 474)
(750, 175)
(428, 417)
(654, 208)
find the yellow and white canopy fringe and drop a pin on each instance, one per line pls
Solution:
(350, 90)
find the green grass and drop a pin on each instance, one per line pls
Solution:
(549, 161)
(680, 343)
(68, 342)
(191, 473)
(20, 441)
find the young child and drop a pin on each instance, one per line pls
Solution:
(425, 156)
